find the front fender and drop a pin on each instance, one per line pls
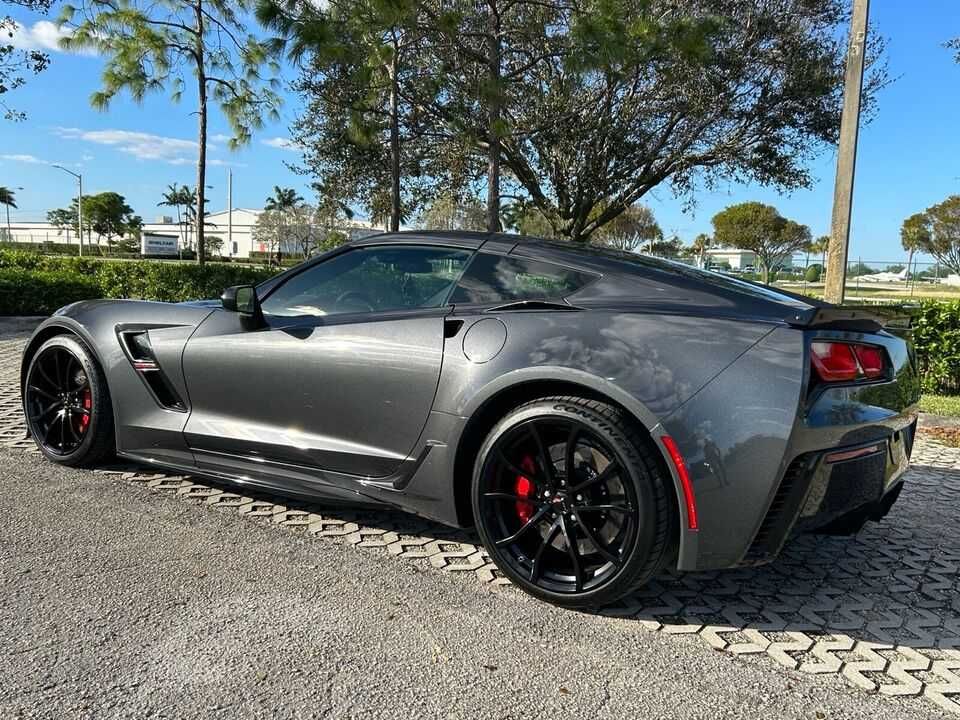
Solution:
(142, 426)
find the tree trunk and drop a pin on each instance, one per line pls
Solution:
(493, 126)
(202, 130)
(395, 208)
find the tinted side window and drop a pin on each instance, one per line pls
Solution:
(499, 278)
(370, 280)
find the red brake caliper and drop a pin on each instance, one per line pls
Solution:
(523, 486)
(87, 404)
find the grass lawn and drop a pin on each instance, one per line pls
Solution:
(941, 404)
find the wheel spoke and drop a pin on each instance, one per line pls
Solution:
(68, 422)
(63, 434)
(510, 496)
(537, 517)
(626, 509)
(545, 462)
(570, 452)
(537, 568)
(572, 552)
(610, 470)
(596, 541)
(41, 391)
(47, 410)
(66, 372)
(45, 375)
(49, 430)
(57, 370)
(512, 467)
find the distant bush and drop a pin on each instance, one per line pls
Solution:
(55, 248)
(936, 334)
(40, 292)
(33, 284)
(813, 273)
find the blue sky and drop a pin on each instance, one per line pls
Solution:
(909, 156)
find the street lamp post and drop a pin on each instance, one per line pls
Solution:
(79, 178)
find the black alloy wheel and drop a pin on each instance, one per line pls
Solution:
(570, 502)
(66, 404)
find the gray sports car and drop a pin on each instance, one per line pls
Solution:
(598, 416)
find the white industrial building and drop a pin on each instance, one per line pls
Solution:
(167, 236)
(739, 259)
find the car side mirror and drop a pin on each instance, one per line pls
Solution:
(242, 299)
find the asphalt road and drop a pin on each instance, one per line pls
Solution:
(116, 602)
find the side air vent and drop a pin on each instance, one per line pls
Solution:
(136, 345)
(773, 530)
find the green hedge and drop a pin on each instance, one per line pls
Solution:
(936, 333)
(32, 284)
(55, 248)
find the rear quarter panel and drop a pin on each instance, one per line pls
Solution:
(651, 363)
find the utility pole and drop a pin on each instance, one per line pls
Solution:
(230, 212)
(847, 155)
(79, 178)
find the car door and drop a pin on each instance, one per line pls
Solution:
(342, 377)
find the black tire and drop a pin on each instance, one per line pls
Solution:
(85, 436)
(626, 552)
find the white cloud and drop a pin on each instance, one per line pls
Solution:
(143, 146)
(42, 35)
(282, 143)
(221, 138)
(32, 159)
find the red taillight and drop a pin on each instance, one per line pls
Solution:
(871, 360)
(844, 362)
(685, 485)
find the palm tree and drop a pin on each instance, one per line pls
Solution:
(701, 243)
(821, 245)
(7, 198)
(914, 235)
(174, 197)
(282, 201)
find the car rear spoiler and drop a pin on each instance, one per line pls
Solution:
(860, 318)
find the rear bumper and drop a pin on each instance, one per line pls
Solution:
(754, 440)
(857, 482)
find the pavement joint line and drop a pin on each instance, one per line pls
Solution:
(880, 609)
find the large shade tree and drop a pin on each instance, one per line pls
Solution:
(763, 231)
(155, 45)
(106, 214)
(364, 77)
(634, 229)
(450, 212)
(581, 109)
(942, 235)
(16, 64)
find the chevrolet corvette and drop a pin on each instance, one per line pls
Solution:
(598, 416)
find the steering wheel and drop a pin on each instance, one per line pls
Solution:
(355, 298)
